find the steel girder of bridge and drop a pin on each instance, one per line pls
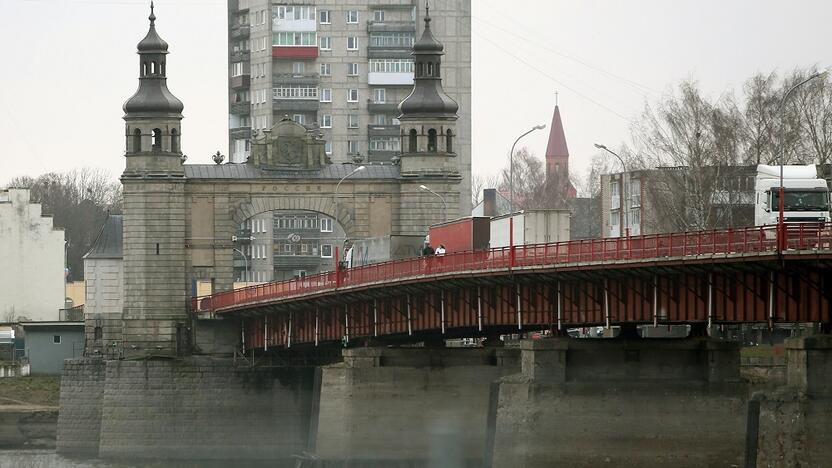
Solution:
(711, 277)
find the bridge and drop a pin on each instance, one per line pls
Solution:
(730, 276)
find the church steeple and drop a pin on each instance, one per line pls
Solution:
(428, 115)
(557, 155)
(153, 115)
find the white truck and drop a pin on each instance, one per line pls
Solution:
(806, 199)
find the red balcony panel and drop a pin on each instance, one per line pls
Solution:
(308, 52)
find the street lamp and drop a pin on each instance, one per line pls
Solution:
(445, 205)
(782, 217)
(511, 166)
(245, 259)
(335, 196)
(625, 210)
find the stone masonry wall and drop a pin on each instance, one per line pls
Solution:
(79, 420)
(104, 292)
(203, 408)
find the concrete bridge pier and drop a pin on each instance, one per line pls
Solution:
(409, 406)
(794, 421)
(620, 402)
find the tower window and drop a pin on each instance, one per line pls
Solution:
(430, 68)
(157, 139)
(174, 141)
(421, 70)
(411, 146)
(432, 140)
(162, 69)
(144, 69)
(449, 141)
(137, 140)
(153, 68)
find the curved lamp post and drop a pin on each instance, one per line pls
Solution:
(245, 259)
(625, 210)
(511, 166)
(335, 196)
(445, 205)
(782, 218)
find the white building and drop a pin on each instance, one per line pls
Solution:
(31, 260)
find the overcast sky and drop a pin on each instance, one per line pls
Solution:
(70, 64)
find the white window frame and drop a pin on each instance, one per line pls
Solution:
(326, 224)
(391, 66)
(635, 193)
(379, 95)
(615, 195)
(326, 121)
(352, 69)
(352, 95)
(326, 69)
(328, 147)
(352, 16)
(352, 121)
(299, 118)
(298, 68)
(326, 95)
(326, 43)
(378, 16)
(237, 69)
(324, 248)
(295, 92)
(54, 337)
(325, 17)
(352, 43)
(352, 147)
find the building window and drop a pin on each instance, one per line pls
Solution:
(635, 193)
(615, 196)
(352, 16)
(412, 141)
(137, 140)
(296, 12)
(298, 68)
(325, 18)
(157, 140)
(352, 95)
(326, 95)
(352, 121)
(56, 339)
(352, 43)
(326, 251)
(295, 92)
(385, 144)
(378, 16)
(635, 221)
(380, 119)
(326, 121)
(326, 43)
(379, 95)
(352, 69)
(299, 118)
(392, 39)
(432, 140)
(237, 69)
(295, 39)
(328, 147)
(615, 218)
(326, 224)
(98, 333)
(352, 147)
(391, 66)
(326, 69)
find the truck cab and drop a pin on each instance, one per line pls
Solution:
(806, 195)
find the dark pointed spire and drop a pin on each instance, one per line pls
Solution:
(152, 16)
(152, 42)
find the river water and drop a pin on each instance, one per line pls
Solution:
(49, 459)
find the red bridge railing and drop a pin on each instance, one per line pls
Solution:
(743, 241)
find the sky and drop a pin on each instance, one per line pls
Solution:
(70, 65)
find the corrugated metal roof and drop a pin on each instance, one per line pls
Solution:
(248, 171)
(109, 243)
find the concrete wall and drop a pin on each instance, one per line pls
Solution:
(79, 420)
(32, 276)
(46, 356)
(415, 405)
(203, 409)
(621, 403)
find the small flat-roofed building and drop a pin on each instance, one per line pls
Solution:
(49, 343)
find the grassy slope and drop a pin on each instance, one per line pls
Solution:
(32, 390)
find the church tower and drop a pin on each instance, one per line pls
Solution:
(428, 115)
(154, 320)
(557, 158)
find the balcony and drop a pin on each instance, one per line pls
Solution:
(240, 81)
(240, 133)
(391, 26)
(382, 108)
(240, 31)
(390, 79)
(295, 52)
(383, 130)
(298, 261)
(283, 106)
(240, 108)
(295, 78)
(388, 53)
(375, 156)
(241, 56)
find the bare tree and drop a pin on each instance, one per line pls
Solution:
(78, 202)
(481, 182)
(532, 188)
(813, 104)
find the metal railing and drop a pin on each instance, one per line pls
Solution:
(743, 241)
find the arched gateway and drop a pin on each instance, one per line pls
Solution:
(180, 220)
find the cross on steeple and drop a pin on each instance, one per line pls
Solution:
(556, 98)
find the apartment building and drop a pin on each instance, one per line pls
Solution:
(342, 68)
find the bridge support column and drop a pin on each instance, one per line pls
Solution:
(409, 406)
(794, 428)
(625, 403)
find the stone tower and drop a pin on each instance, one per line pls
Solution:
(428, 115)
(155, 309)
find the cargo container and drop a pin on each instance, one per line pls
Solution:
(531, 227)
(383, 249)
(461, 235)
